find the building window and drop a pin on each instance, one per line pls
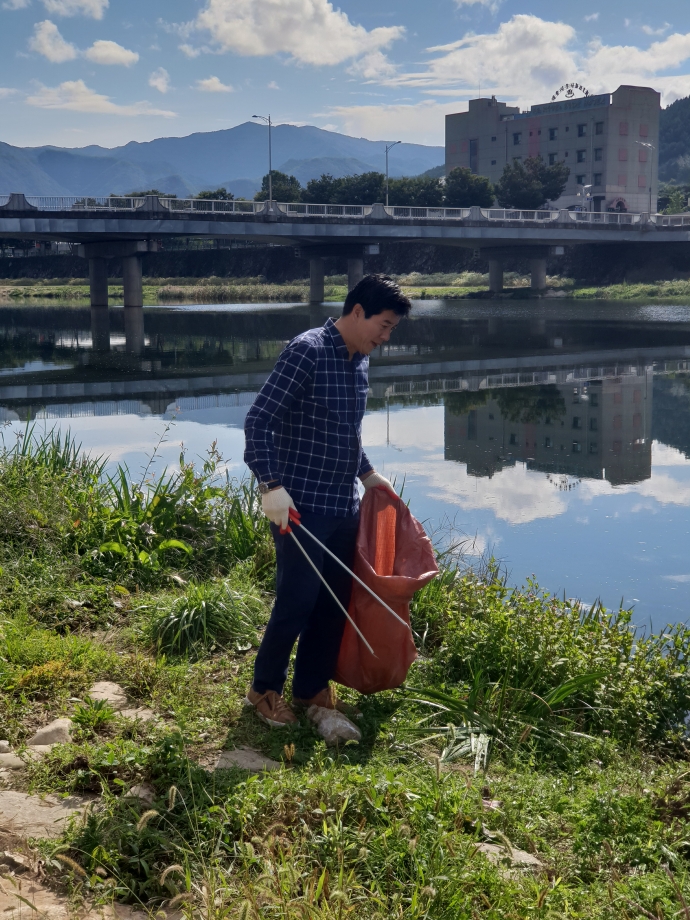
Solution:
(493, 162)
(622, 180)
(552, 158)
(547, 442)
(582, 130)
(567, 128)
(642, 182)
(593, 424)
(517, 138)
(594, 400)
(566, 153)
(577, 421)
(577, 447)
(642, 155)
(644, 130)
(553, 134)
(622, 154)
(581, 156)
(598, 153)
(513, 439)
(623, 128)
(597, 179)
(599, 127)
(493, 138)
(580, 180)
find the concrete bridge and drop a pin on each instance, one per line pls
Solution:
(128, 227)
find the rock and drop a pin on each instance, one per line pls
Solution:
(332, 725)
(58, 732)
(512, 862)
(11, 762)
(112, 693)
(14, 862)
(142, 714)
(31, 816)
(246, 759)
(143, 792)
(5, 747)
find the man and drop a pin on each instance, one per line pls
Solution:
(304, 445)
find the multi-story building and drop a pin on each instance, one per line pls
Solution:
(598, 431)
(609, 141)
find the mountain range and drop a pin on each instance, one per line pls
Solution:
(235, 158)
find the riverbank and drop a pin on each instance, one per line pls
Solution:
(164, 588)
(255, 290)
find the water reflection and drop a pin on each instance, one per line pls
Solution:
(559, 433)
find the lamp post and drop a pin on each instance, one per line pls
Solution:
(651, 160)
(267, 121)
(584, 194)
(389, 147)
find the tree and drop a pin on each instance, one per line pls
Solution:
(416, 192)
(218, 194)
(151, 191)
(323, 190)
(285, 188)
(530, 184)
(463, 189)
(366, 188)
(672, 199)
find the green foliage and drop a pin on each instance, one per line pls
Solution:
(417, 192)
(285, 188)
(93, 715)
(464, 189)
(150, 191)
(208, 616)
(517, 404)
(217, 194)
(676, 201)
(529, 184)
(674, 140)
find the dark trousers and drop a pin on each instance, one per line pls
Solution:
(304, 608)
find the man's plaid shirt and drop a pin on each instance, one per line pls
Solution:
(304, 430)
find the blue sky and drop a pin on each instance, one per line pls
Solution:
(75, 72)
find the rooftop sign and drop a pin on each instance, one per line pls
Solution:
(567, 91)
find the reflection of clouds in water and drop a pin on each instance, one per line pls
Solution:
(680, 579)
(664, 455)
(411, 427)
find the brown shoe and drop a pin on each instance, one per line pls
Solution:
(271, 708)
(327, 699)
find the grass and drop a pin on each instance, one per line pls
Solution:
(417, 286)
(587, 769)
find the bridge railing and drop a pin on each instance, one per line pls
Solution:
(427, 213)
(515, 214)
(297, 209)
(83, 203)
(673, 220)
(604, 217)
(212, 205)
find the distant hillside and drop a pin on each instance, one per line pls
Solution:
(674, 141)
(235, 158)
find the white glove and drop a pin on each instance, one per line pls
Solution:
(276, 506)
(376, 479)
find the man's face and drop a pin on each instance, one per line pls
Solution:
(376, 330)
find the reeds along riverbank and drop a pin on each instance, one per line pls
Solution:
(163, 584)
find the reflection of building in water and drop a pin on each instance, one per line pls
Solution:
(598, 430)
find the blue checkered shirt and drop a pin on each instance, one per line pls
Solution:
(304, 430)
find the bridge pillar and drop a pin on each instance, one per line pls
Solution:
(316, 280)
(132, 281)
(134, 330)
(495, 276)
(355, 272)
(100, 328)
(98, 281)
(538, 272)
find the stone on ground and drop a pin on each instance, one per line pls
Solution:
(112, 693)
(142, 714)
(11, 762)
(5, 747)
(143, 792)
(246, 759)
(30, 816)
(511, 862)
(57, 732)
(332, 725)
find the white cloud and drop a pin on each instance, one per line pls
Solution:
(593, 17)
(93, 8)
(16, 4)
(492, 5)
(6, 91)
(648, 30)
(47, 41)
(373, 67)
(105, 52)
(76, 96)
(526, 58)
(310, 31)
(160, 80)
(273, 85)
(189, 51)
(420, 123)
(213, 85)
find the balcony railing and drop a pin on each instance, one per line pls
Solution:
(673, 220)
(427, 213)
(296, 209)
(604, 217)
(212, 205)
(513, 214)
(83, 203)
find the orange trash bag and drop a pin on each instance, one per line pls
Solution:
(395, 558)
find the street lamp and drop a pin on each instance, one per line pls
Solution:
(584, 194)
(651, 159)
(267, 121)
(389, 147)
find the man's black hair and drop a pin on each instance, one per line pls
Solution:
(377, 293)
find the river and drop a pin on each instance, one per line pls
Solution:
(552, 434)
